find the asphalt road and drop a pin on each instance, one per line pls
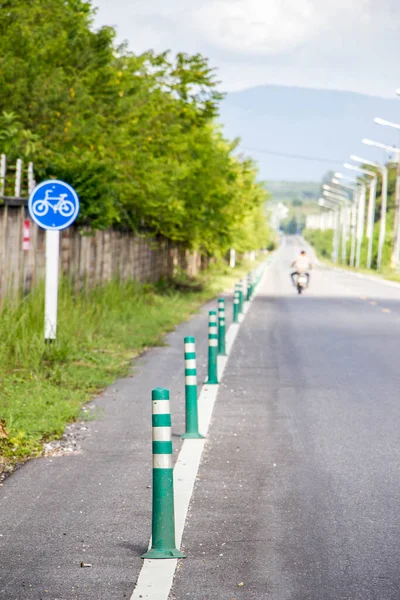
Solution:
(298, 497)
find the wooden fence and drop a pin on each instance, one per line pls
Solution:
(87, 258)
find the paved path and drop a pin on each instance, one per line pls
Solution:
(298, 497)
(95, 506)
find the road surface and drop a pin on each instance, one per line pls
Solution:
(299, 495)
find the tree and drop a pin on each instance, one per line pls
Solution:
(136, 135)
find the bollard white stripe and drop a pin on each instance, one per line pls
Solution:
(191, 380)
(190, 363)
(161, 407)
(213, 342)
(213, 329)
(222, 321)
(162, 461)
(161, 434)
(190, 347)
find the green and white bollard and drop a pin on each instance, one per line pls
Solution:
(163, 520)
(221, 327)
(192, 416)
(212, 347)
(236, 306)
(249, 287)
(244, 288)
(240, 288)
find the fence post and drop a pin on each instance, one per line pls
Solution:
(192, 417)
(163, 520)
(221, 327)
(212, 347)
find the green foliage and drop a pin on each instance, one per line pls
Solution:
(135, 135)
(321, 240)
(290, 226)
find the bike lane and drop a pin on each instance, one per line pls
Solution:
(94, 506)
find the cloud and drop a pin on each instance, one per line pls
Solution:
(340, 44)
(262, 28)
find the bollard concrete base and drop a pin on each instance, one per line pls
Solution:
(192, 436)
(166, 553)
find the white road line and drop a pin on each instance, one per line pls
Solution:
(374, 278)
(156, 576)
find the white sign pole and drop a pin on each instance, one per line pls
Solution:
(53, 205)
(232, 258)
(51, 298)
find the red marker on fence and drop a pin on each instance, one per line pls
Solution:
(26, 244)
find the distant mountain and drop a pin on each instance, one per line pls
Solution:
(278, 124)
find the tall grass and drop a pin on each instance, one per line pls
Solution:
(43, 386)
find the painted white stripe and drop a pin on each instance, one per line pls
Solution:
(376, 279)
(162, 461)
(213, 329)
(190, 347)
(190, 363)
(161, 434)
(222, 360)
(213, 343)
(230, 338)
(161, 407)
(191, 380)
(222, 321)
(156, 577)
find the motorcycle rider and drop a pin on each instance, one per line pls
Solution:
(302, 264)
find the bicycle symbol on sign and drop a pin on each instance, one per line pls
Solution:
(65, 207)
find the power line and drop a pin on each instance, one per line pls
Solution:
(295, 156)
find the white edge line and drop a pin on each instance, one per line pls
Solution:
(156, 576)
(374, 278)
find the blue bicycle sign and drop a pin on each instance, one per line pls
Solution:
(53, 205)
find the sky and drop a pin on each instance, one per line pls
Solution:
(349, 45)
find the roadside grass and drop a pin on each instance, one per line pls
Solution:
(44, 386)
(321, 241)
(385, 273)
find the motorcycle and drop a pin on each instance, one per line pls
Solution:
(301, 282)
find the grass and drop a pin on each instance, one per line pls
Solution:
(322, 243)
(44, 386)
